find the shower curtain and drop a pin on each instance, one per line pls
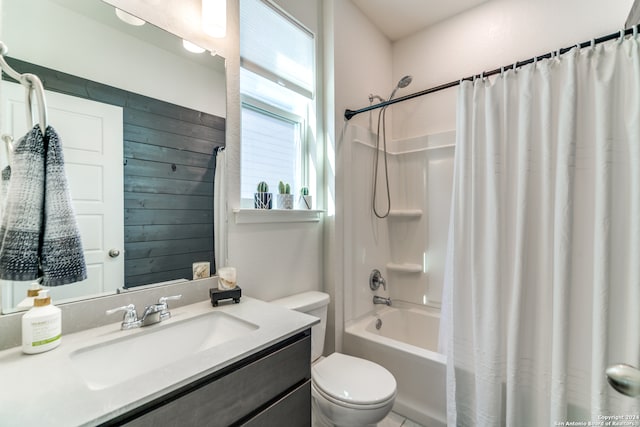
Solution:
(542, 283)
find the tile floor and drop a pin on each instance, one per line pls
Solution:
(395, 420)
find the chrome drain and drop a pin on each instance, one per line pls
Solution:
(378, 324)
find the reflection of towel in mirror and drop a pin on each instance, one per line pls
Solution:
(38, 234)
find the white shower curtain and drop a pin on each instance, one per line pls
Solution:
(542, 286)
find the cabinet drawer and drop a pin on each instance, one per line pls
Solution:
(294, 409)
(226, 399)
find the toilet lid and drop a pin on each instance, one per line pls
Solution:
(353, 380)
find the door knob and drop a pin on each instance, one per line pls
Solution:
(624, 378)
(114, 253)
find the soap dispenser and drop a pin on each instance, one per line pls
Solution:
(41, 326)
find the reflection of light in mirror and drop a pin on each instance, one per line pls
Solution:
(192, 47)
(128, 18)
(214, 17)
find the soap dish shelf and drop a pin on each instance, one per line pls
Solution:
(404, 268)
(405, 213)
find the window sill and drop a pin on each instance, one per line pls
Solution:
(263, 216)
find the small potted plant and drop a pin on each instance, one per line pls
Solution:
(285, 198)
(305, 201)
(262, 199)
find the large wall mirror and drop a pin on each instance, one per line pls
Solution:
(141, 120)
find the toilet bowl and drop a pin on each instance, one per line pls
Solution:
(348, 391)
(351, 391)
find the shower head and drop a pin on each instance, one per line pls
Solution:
(404, 82)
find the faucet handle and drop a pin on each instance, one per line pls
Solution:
(166, 314)
(163, 300)
(376, 279)
(130, 318)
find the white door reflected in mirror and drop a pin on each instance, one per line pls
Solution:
(91, 134)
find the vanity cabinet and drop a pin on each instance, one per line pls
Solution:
(269, 388)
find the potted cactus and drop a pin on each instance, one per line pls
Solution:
(305, 201)
(262, 199)
(285, 198)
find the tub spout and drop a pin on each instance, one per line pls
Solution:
(381, 300)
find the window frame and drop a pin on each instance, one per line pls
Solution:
(249, 102)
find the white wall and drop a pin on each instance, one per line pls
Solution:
(362, 58)
(50, 35)
(494, 34)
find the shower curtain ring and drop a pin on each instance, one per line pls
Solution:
(593, 43)
(621, 39)
(635, 31)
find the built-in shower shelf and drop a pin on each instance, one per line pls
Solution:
(405, 213)
(404, 268)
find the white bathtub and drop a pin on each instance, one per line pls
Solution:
(406, 344)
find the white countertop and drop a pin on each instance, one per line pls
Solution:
(46, 389)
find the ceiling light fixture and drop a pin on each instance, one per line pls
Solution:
(214, 18)
(192, 47)
(128, 18)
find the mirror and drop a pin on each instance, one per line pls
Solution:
(85, 42)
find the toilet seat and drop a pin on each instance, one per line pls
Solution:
(353, 382)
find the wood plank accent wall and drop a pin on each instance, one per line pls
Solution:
(170, 158)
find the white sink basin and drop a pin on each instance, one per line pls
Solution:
(113, 362)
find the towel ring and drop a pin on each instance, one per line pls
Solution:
(33, 84)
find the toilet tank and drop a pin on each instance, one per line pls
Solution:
(313, 303)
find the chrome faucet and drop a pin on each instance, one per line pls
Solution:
(381, 300)
(153, 313)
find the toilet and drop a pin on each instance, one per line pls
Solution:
(346, 390)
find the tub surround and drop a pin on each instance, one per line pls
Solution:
(59, 394)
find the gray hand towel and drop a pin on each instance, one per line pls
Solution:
(38, 235)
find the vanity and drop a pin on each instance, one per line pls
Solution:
(236, 364)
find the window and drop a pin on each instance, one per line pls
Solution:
(277, 83)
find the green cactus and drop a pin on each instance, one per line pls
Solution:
(263, 187)
(304, 191)
(284, 188)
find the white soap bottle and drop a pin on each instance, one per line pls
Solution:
(41, 326)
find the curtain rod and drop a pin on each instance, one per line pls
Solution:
(348, 114)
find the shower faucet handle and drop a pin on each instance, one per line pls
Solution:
(376, 279)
